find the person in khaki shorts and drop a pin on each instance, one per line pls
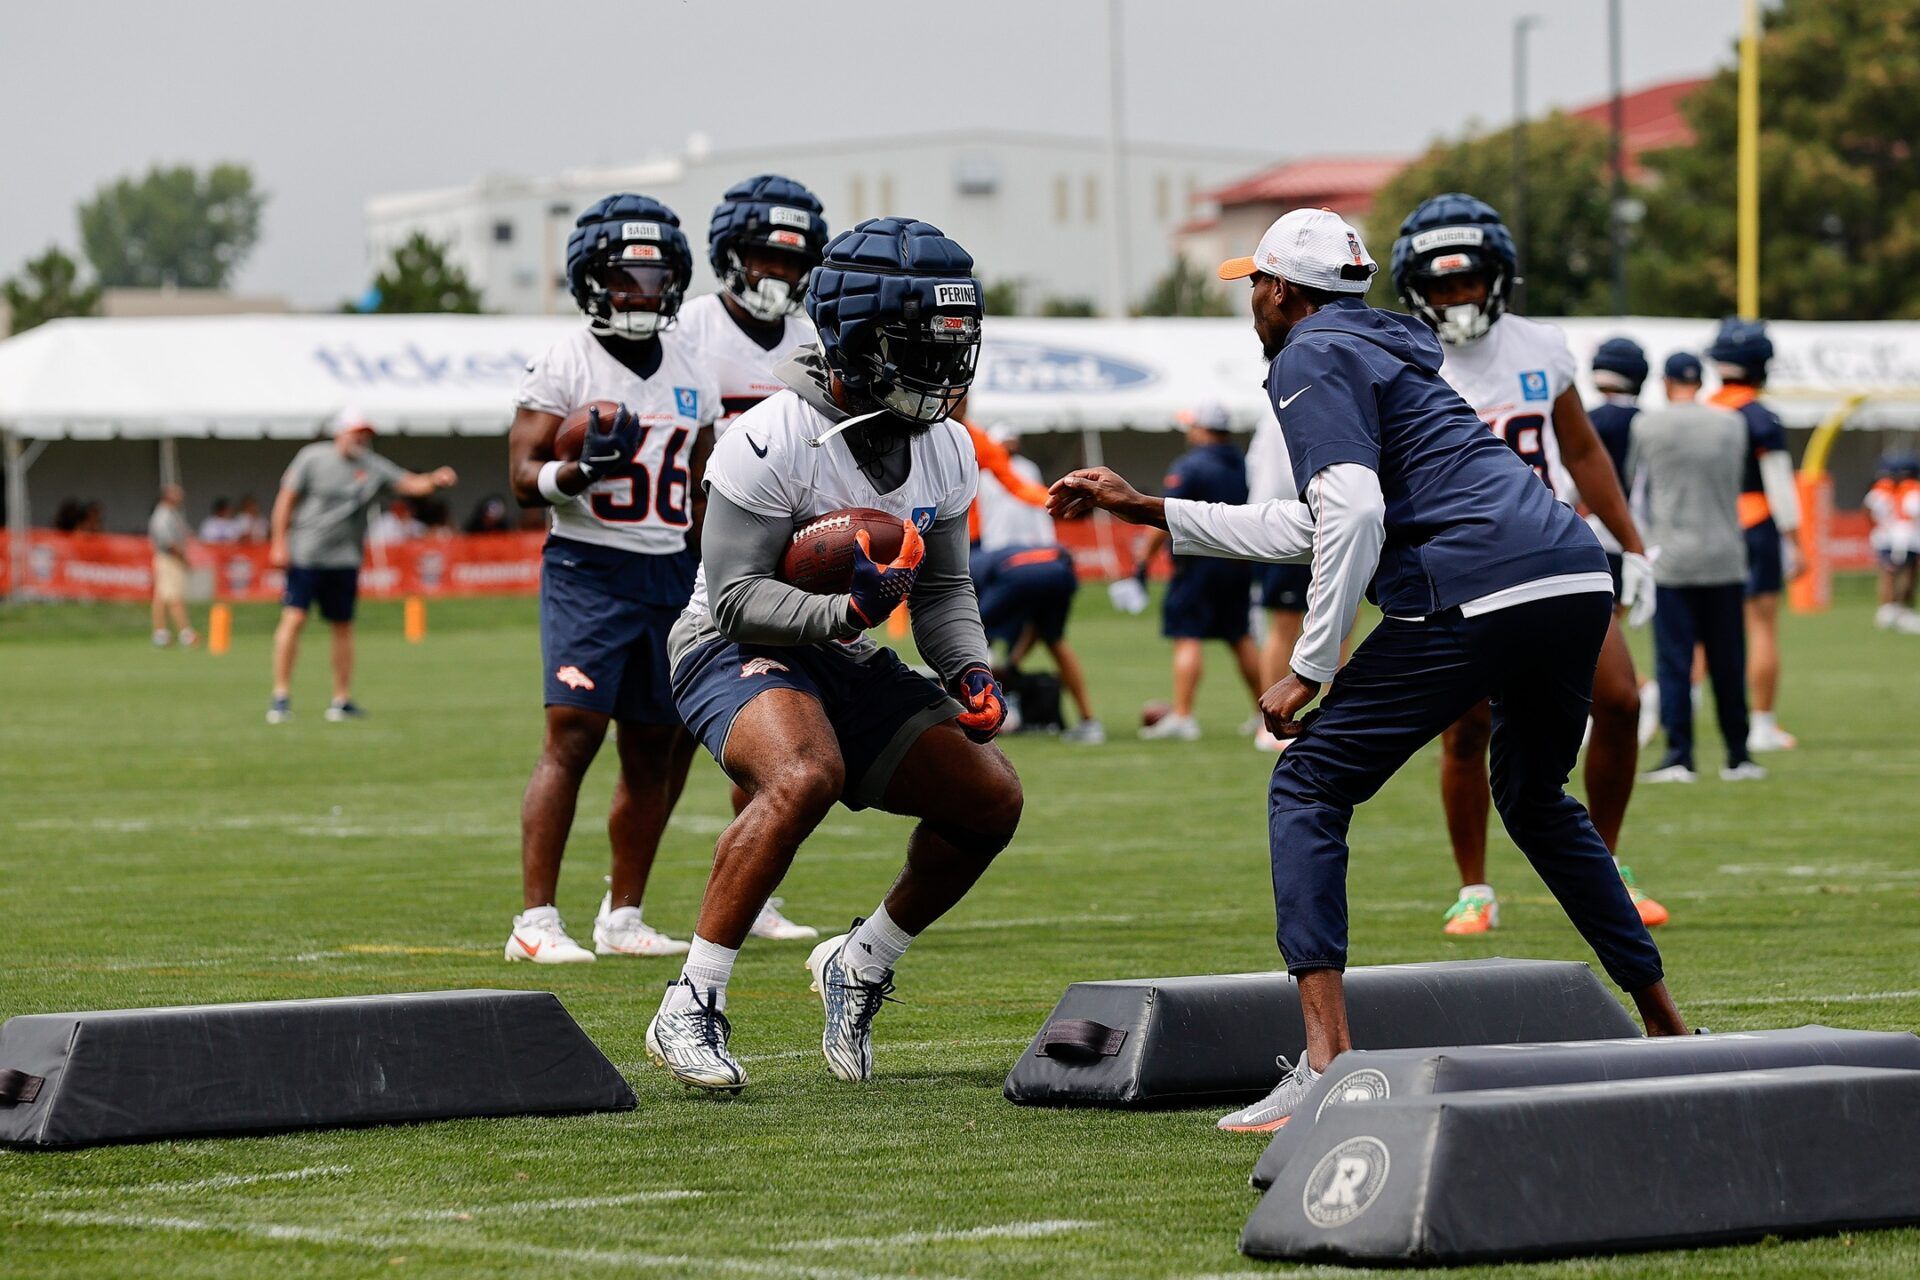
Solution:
(167, 531)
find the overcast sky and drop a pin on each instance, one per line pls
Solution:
(331, 103)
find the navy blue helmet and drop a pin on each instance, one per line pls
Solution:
(765, 236)
(1744, 345)
(1623, 358)
(628, 265)
(1449, 236)
(898, 312)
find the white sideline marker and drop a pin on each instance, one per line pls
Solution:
(1003, 1231)
(675, 1263)
(219, 1182)
(516, 1207)
(1843, 997)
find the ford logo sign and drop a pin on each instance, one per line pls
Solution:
(1025, 368)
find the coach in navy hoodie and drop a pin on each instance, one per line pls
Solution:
(1490, 587)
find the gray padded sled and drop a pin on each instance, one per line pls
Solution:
(1607, 1167)
(77, 1079)
(1367, 1076)
(1165, 1042)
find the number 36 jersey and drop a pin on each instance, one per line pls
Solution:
(648, 511)
(1511, 377)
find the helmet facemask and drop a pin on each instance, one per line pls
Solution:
(632, 296)
(770, 282)
(921, 370)
(1458, 323)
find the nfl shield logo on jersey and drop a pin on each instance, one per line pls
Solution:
(1533, 385)
(923, 518)
(687, 401)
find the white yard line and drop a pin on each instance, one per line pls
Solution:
(904, 1046)
(519, 1207)
(1836, 997)
(1001, 1231)
(218, 1182)
(679, 1264)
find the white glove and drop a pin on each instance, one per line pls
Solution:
(1636, 588)
(1791, 561)
(1127, 595)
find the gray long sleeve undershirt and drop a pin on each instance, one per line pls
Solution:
(740, 550)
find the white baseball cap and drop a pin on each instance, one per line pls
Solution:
(1314, 247)
(350, 419)
(1211, 415)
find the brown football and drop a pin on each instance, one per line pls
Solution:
(819, 557)
(567, 441)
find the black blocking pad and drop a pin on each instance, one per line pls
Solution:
(1604, 1167)
(1368, 1076)
(78, 1079)
(1168, 1042)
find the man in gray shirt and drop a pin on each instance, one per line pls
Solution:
(319, 535)
(1688, 459)
(167, 531)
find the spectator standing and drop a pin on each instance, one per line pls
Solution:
(319, 536)
(168, 532)
(1688, 460)
(220, 525)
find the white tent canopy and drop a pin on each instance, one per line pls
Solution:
(251, 377)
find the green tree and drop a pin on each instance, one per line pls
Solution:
(172, 227)
(1567, 261)
(418, 278)
(1068, 307)
(1001, 298)
(1184, 291)
(1839, 173)
(47, 288)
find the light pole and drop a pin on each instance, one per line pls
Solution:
(1617, 206)
(1117, 286)
(1521, 26)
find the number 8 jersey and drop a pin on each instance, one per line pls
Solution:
(649, 511)
(1511, 377)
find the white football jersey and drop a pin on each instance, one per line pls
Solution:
(1007, 521)
(765, 465)
(743, 367)
(647, 512)
(1511, 377)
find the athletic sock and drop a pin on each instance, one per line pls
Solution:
(876, 945)
(708, 967)
(618, 916)
(1475, 891)
(1761, 720)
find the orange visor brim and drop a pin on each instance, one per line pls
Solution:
(1237, 268)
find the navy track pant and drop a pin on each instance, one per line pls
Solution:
(1405, 683)
(1714, 618)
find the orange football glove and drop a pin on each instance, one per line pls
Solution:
(879, 588)
(983, 704)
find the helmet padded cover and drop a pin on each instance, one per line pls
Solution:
(599, 227)
(746, 207)
(873, 275)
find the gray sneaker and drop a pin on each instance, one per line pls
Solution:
(1087, 732)
(690, 1039)
(851, 1002)
(1272, 1111)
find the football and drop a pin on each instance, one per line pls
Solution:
(1154, 712)
(572, 434)
(819, 557)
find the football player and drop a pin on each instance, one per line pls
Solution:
(1454, 265)
(765, 237)
(786, 689)
(1893, 503)
(616, 569)
(1769, 512)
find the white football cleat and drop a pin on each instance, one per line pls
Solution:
(1088, 733)
(1174, 727)
(540, 935)
(771, 924)
(1769, 737)
(1670, 773)
(850, 1000)
(624, 933)
(689, 1038)
(1745, 771)
(1272, 1111)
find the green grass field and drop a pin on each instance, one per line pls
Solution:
(160, 844)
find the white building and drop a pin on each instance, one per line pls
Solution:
(1035, 210)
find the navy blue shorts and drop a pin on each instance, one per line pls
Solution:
(1022, 585)
(878, 707)
(1284, 586)
(1765, 575)
(604, 618)
(1207, 600)
(336, 591)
